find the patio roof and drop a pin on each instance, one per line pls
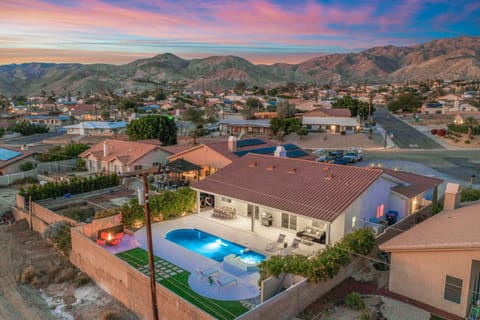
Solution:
(182, 165)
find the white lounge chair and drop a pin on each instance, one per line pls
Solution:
(274, 245)
(225, 281)
(208, 272)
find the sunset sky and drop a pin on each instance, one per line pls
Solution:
(262, 31)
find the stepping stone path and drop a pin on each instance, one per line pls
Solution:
(163, 270)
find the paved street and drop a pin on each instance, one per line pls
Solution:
(404, 136)
(36, 138)
(459, 164)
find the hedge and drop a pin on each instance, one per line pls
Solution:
(326, 263)
(461, 128)
(169, 204)
(74, 186)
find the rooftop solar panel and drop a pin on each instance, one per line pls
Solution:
(296, 153)
(6, 154)
(249, 142)
(290, 146)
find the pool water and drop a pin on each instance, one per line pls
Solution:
(212, 246)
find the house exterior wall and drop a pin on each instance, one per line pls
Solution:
(15, 166)
(147, 161)
(398, 203)
(203, 156)
(412, 271)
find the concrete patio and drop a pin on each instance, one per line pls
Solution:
(235, 230)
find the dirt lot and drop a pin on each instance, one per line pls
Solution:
(37, 283)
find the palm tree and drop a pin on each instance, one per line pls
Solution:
(470, 122)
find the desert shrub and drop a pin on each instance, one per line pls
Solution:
(110, 314)
(434, 131)
(366, 315)
(26, 166)
(467, 141)
(59, 234)
(343, 132)
(81, 280)
(470, 194)
(354, 301)
(27, 275)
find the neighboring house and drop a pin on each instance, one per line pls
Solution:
(216, 155)
(433, 108)
(100, 128)
(298, 194)
(49, 121)
(246, 127)
(82, 112)
(123, 156)
(441, 254)
(11, 159)
(333, 120)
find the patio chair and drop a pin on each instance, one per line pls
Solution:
(225, 281)
(274, 245)
(295, 245)
(208, 272)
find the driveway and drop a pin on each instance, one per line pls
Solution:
(404, 136)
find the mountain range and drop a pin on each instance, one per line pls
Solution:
(451, 58)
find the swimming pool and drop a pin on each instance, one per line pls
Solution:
(212, 246)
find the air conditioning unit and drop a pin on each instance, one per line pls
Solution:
(377, 228)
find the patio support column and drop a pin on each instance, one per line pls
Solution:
(198, 201)
(327, 234)
(253, 221)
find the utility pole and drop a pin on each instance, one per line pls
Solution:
(386, 128)
(370, 115)
(150, 247)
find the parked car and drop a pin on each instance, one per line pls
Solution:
(358, 151)
(351, 157)
(341, 161)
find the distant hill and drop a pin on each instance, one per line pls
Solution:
(453, 58)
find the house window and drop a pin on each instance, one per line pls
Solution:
(380, 210)
(138, 167)
(226, 200)
(289, 221)
(453, 289)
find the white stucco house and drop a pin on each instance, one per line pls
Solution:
(333, 120)
(299, 196)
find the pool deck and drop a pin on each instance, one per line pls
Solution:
(236, 230)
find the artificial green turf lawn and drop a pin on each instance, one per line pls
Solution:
(179, 284)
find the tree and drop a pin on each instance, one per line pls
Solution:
(240, 87)
(356, 107)
(196, 116)
(285, 109)
(153, 127)
(160, 96)
(407, 102)
(470, 122)
(302, 132)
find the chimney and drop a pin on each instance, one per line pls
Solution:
(452, 196)
(232, 144)
(280, 152)
(105, 149)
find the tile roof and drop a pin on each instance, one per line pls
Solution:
(319, 190)
(126, 152)
(416, 184)
(450, 229)
(333, 112)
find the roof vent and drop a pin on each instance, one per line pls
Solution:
(329, 177)
(271, 167)
(253, 164)
(292, 170)
(325, 168)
